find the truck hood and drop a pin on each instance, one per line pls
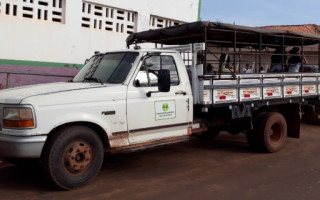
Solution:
(16, 95)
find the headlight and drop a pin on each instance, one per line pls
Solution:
(18, 118)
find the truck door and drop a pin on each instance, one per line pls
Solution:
(163, 114)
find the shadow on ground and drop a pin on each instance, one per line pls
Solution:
(168, 158)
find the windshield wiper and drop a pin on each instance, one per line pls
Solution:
(93, 79)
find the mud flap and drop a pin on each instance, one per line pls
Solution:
(311, 118)
(291, 113)
(311, 113)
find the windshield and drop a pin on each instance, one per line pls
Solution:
(109, 68)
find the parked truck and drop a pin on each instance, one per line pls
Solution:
(138, 98)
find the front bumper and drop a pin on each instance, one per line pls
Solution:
(21, 146)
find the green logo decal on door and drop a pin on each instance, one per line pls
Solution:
(165, 107)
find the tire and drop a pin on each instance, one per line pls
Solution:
(72, 157)
(270, 132)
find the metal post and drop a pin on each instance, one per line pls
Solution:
(240, 60)
(205, 51)
(283, 52)
(256, 60)
(8, 80)
(161, 40)
(260, 49)
(193, 61)
(319, 53)
(302, 54)
(234, 51)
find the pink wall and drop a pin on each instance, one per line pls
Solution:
(16, 80)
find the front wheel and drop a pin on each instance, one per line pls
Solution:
(72, 157)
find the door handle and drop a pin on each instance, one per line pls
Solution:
(181, 92)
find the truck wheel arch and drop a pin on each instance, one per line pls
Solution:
(98, 129)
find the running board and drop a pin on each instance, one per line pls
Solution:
(149, 145)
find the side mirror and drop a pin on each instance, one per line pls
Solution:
(164, 80)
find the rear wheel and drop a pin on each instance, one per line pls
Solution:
(269, 132)
(73, 156)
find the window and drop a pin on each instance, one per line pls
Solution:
(47, 10)
(107, 18)
(148, 73)
(157, 22)
(110, 68)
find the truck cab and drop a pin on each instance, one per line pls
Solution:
(119, 100)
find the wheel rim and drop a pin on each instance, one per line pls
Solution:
(275, 132)
(77, 157)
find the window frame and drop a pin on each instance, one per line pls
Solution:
(149, 84)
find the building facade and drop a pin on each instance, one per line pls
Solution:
(56, 35)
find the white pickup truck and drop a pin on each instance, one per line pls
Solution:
(133, 99)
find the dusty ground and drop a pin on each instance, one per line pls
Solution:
(223, 169)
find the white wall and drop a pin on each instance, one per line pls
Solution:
(68, 42)
(181, 10)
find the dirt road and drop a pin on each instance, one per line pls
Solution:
(224, 169)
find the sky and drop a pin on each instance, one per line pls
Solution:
(261, 12)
